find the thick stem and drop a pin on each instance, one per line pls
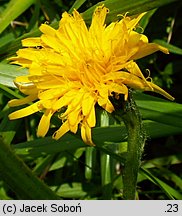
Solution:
(136, 140)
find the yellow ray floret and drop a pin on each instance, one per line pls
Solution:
(75, 67)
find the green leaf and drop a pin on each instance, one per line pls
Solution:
(8, 73)
(34, 20)
(90, 157)
(13, 10)
(170, 47)
(104, 138)
(76, 190)
(3, 194)
(11, 94)
(77, 4)
(163, 161)
(10, 48)
(133, 7)
(8, 128)
(159, 110)
(14, 172)
(169, 191)
(170, 176)
(146, 19)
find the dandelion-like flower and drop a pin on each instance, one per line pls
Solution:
(73, 68)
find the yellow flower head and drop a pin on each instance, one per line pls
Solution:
(73, 68)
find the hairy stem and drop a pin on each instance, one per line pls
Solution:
(136, 141)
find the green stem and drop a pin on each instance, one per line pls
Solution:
(20, 178)
(136, 140)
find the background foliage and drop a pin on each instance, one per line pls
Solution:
(69, 168)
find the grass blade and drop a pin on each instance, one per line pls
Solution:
(169, 191)
(14, 172)
(77, 4)
(121, 7)
(13, 10)
(170, 47)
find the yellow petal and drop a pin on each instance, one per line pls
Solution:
(25, 111)
(78, 67)
(87, 104)
(132, 22)
(31, 42)
(134, 81)
(51, 94)
(137, 83)
(109, 107)
(44, 123)
(86, 134)
(106, 104)
(133, 68)
(26, 87)
(103, 91)
(21, 61)
(22, 101)
(46, 29)
(29, 53)
(147, 49)
(48, 82)
(73, 117)
(134, 39)
(159, 90)
(91, 119)
(63, 101)
(47, 104)
(22, 79)
(51, 42)
(73, 128)
(99, 16)
(61, 131)
(119, 88)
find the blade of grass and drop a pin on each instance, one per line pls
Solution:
(8, 73)
(8, 128)
(168, 190)
(13, 10)
(101, 136)
(170, 47)
(170, 176)
(105, 158)
(76, 190)
(89, 160)
(163, 161)
(10, 48)
(9, 92)
(34, 20)
(146, 19)
(133, 7)
(159, 110)
(14, 172)
(76, 5)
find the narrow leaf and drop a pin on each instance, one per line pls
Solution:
(8, 73)
(103, 137)
(14, 172)
(13, 10)
(77, 4)
(121, 7)
(170, 47)
(169, 191)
